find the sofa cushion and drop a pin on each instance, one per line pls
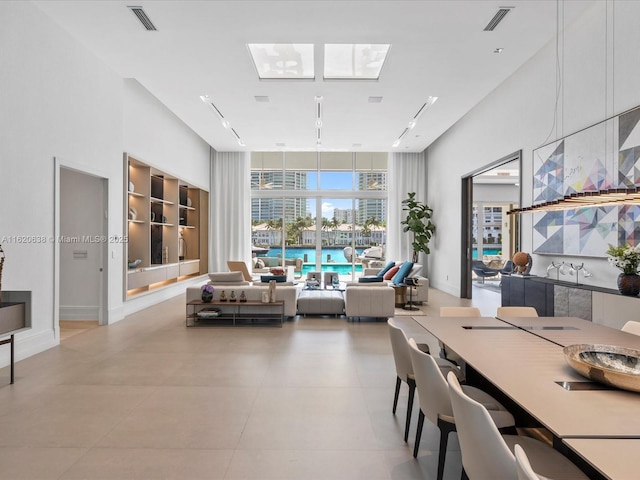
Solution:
(389, 275)
(277, 278)
(369, 279)
(226, 278)
(402, 273)
(386, 268)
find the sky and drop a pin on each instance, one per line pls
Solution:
(330, 181)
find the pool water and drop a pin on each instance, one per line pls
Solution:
(333, 259)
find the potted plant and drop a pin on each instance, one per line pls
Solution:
(627, 259)
(418, 222)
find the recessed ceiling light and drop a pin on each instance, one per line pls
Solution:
(498, 50)
(261, 98)
(356, 145)
(283, 60)
(280, 145)
(354, 61)
(375, 99)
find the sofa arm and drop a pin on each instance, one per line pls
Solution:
(370, 271)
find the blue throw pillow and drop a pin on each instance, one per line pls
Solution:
(370, 279)
(405, 269)
(277, 278)
(387, 267)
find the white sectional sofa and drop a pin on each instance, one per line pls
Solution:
(419, 293)
(234, 281)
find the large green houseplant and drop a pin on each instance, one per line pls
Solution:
(418, 222)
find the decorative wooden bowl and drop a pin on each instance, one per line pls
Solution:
(608, 364)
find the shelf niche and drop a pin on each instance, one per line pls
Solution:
(167, 227)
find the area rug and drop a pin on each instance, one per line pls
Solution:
(401, 312)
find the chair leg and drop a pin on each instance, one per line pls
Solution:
(445, 429)
(418, 434)
(412, 390)
(395, 398)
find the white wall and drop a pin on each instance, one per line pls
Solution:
(59, 100)
(519, 114)
(154, 135)
(486, 193)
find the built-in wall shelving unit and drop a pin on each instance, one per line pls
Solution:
(167, 228)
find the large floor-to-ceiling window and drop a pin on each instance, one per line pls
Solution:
(328, 209)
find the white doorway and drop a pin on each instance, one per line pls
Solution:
(82, 249)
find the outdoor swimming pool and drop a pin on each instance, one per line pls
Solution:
(333, 259)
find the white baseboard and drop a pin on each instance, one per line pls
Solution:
(85, 312)
(28, 343)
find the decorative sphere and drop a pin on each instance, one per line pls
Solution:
(521, 259)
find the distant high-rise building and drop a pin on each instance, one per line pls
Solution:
(263, 209)
(344, 215)
(367, 208)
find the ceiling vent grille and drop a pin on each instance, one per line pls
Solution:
(497, 18)
(144, 19)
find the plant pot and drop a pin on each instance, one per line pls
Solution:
(207, 297)
(629, 284)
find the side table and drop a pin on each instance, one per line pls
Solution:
(401, 295)
(409, 305)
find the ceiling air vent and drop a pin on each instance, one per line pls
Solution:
(497, 18)
(144, 19)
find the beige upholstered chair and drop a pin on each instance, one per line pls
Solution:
(514, 312)
(404, 370)
(446, 352)
(488, 454)
(237, 266)
(525, 472)
(631, 327)
(433, 397)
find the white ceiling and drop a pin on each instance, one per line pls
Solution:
(438, 48)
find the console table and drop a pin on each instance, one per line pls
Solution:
(566, 299)
(15, 316)
(235, 313)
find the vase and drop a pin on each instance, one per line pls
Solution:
(629, 284)
(207, 297)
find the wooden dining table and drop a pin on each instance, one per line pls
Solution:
(523, 358)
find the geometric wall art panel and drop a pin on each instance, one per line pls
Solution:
(605, 155)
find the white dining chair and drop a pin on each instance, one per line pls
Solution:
(523, 467)
(433, 398)
(514, 312)
(404, 369)
(445, 351)
(631, 327)
(486, 454)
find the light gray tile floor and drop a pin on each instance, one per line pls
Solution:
(147, 398)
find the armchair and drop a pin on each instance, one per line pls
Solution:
(483, 271)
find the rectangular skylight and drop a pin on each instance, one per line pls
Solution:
(283, 60)
(354, 61)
